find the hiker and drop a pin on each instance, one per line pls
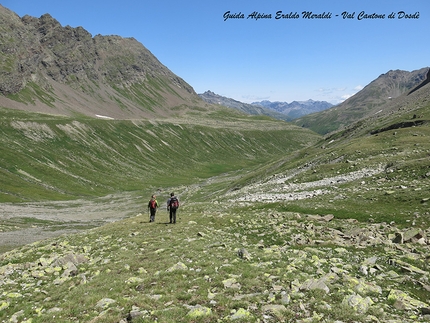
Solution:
(152, 207)
(172, 206)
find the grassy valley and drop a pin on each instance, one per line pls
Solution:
(277, 224)
(50, 158)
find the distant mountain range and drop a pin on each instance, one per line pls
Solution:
(295, 109)
(279, 110)
(213, 98)
(382, 96)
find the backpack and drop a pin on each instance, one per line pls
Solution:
(153, 204)
(174, 203)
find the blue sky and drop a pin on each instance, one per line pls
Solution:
(250, 59)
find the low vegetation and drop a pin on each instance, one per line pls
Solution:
(270, 230)
(53, 158)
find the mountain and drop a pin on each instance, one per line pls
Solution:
(54, 80)
(378, 97)
(45, 67)
(295, 109)
(213, 98)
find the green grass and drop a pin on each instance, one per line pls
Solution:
(63, 158)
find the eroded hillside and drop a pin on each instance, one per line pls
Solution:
(45, 67)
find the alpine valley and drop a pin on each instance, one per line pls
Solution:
(318, 217)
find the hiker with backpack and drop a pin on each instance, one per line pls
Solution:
(152, 207)
(172, 206)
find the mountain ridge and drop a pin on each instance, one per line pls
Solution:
(279, 110)
(216, 99)
(295, 109)
(375, 98)
(49, 68)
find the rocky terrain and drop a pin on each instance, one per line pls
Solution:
(234, 260)
(266, 267)
(56, 218)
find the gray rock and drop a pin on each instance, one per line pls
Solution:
(231, 283)
(358, 303)
(105, 303)
(135, 313)
(178, 266)
(244, 254)
(412, 235)
(71, 257)
(15, 317)
(70, 270)
(315, 284)
(274, 308)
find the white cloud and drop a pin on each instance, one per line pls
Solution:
(346, 96)
(253, 98)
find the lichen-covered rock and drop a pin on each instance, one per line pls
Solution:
(133, 280)
(75, 259)
(274, 309)
(412, 235)
(4, 305)
(231, 283)
(105, 303)
(178, 266)
(358, 303)
(240, 314)
(311, 284)
(403, 301)
(199, 311)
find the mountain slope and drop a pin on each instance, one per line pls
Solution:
(45, 157)
(45, 67)
(375, 98)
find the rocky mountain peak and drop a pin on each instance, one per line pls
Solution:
(40, 52)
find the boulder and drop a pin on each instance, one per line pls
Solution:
(240, 314)
(403, 301)
(358, 303)
(199, 311)
(244, 254)
(412, 235)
